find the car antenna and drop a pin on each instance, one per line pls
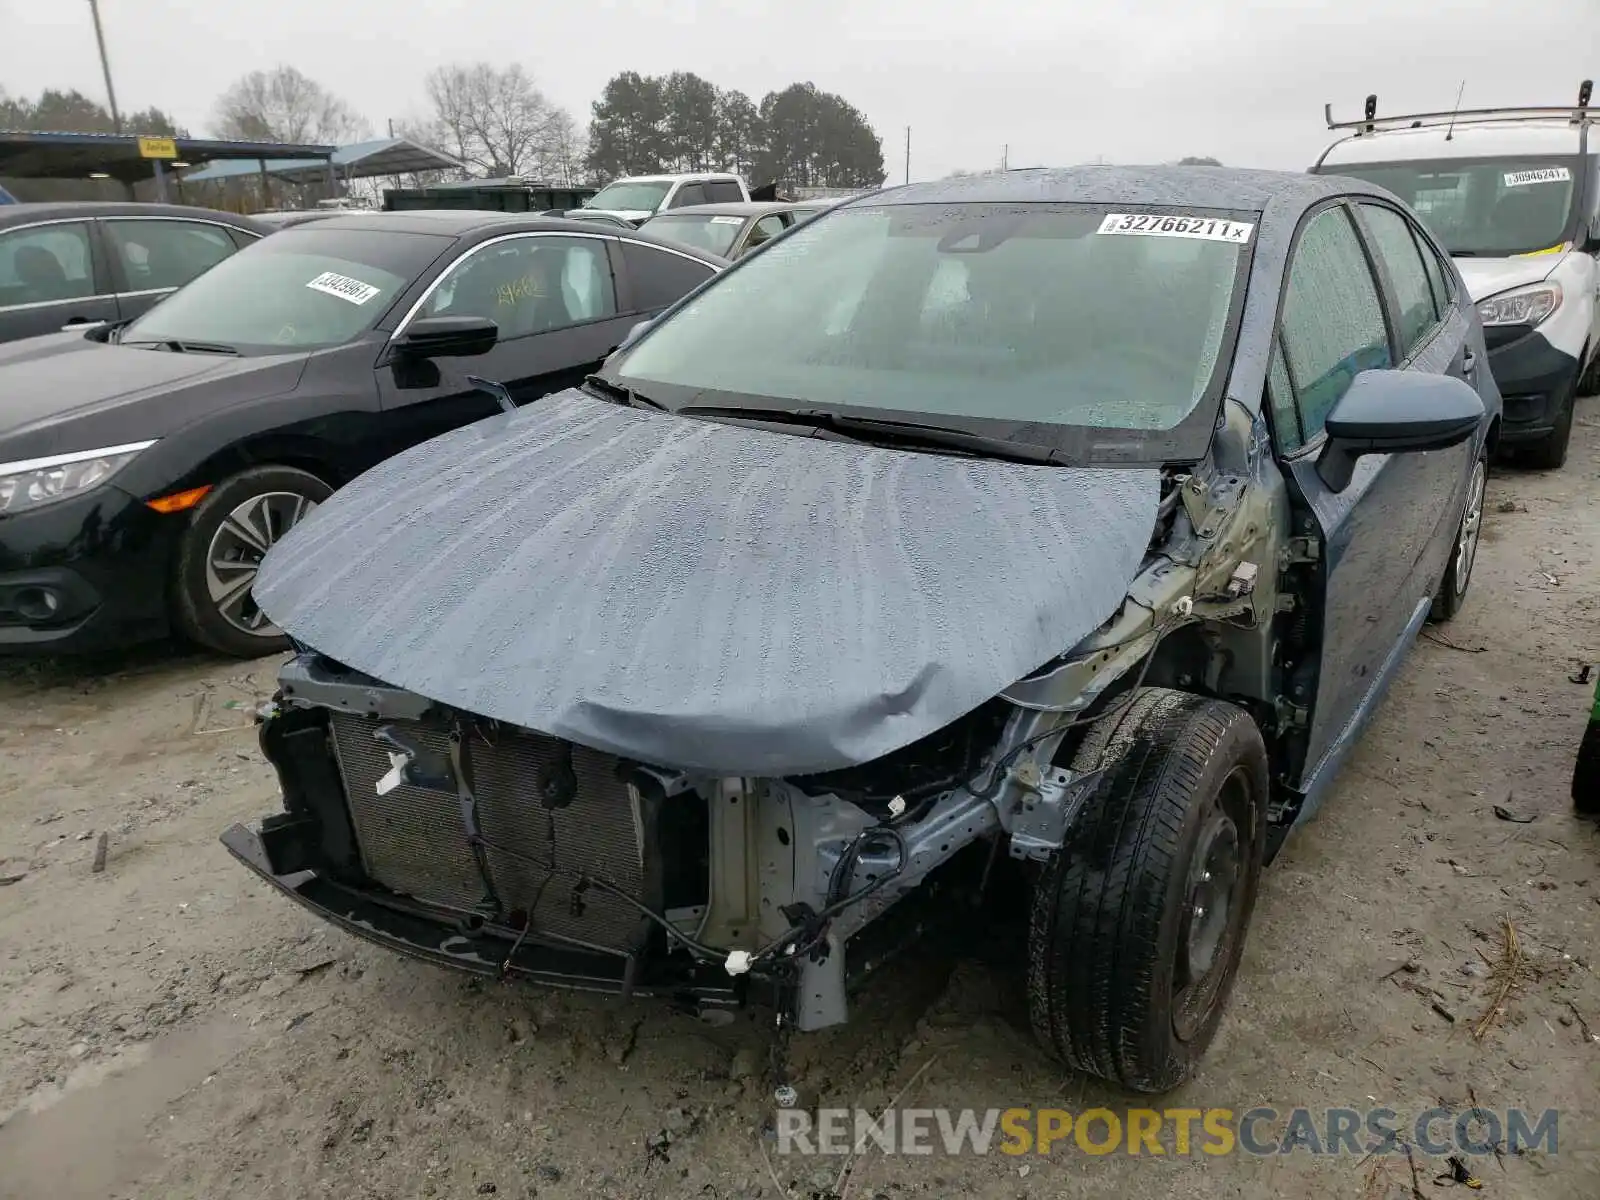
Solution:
(1450, 132)
(498, 390)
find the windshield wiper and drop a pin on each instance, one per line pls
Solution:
(176, 347)
(913, 433)
(624, 396)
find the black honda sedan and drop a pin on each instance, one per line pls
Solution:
(146, 467)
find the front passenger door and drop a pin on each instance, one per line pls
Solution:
(1377, 533)
(554, 298)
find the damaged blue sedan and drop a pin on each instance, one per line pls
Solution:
(1053, 527)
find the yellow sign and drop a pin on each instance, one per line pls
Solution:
(150, 147)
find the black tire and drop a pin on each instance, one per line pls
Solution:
(200, 617)
(1453, 587)
(1113, 910)
(1550, 451)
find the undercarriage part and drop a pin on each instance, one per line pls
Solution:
(413, 843)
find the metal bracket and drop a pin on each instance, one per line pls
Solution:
(1207, 504)
(1301, 550)
(1040, 823)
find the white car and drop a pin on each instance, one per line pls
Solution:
(637, 198)
(1514, 195)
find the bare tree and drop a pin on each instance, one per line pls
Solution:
(499, 122)
(282, 105)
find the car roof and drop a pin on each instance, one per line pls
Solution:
(732, 208)
(1195, 187)
(1489, 139)
(669, 177)
(56, 210)
(464, 222)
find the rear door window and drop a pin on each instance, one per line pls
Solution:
(1413, 294)
(529, 285)
(660, 277)
(160, 255)
(1333, 326)
(46, 263)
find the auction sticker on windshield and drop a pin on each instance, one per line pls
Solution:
(343, 287)
(1211, 229)
(1542, 175)
(727, 220)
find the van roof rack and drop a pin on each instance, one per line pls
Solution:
(1370, 122)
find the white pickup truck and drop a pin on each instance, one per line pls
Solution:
(637, 198)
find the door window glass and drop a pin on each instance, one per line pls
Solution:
(1280, 398)
(765, 229)
(1412, 292)
(723, 191)
(1438, 278)
(689, 193)
(166, 254)
(48, 262)
(529, 285)
(1333, 325)
(661, 277)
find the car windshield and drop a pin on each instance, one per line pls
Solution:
(630, 194)
(1489, 207)
(703, 232)
(305, 287)
(1033, 314)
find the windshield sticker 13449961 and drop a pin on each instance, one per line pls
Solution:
(342, 286)
(1211, 229)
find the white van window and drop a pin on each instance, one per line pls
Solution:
(1485, 207)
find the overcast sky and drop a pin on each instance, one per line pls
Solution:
(1135, 81)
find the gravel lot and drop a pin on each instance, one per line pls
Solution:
(170, 1028)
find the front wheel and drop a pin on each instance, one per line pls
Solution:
(1138, 921)
(1464, 553)
(229, 533)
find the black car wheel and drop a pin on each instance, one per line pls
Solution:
(1139, 920)
(229, 533)
(1469, 530)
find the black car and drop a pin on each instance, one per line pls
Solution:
(82, 263)
(146, 467)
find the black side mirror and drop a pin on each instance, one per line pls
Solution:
(448, 337)
(1396, 412)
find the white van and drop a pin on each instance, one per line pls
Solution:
(1514, 195)
(637, 198)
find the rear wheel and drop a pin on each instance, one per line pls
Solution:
(229, 533)
(1139, 920)
(1458, 572)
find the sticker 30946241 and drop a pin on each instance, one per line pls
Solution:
(342, 286)
(1211, 229)
(1541, 175)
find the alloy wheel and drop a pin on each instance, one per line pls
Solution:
(1471, 527)
(236, 551)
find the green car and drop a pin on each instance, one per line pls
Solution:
(1586, 775)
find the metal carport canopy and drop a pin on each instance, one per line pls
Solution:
(360, 160)
(126, 157)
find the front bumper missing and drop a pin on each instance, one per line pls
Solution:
(416, 934)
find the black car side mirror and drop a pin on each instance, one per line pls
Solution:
(447, 337)
(1396, 412)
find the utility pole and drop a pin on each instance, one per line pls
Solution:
(105, 65)
(908, 154)
(1005, 156)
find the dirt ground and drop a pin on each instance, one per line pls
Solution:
(171, 1028)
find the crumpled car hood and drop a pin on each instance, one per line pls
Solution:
(706, 596)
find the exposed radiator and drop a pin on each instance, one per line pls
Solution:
(412, 841)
